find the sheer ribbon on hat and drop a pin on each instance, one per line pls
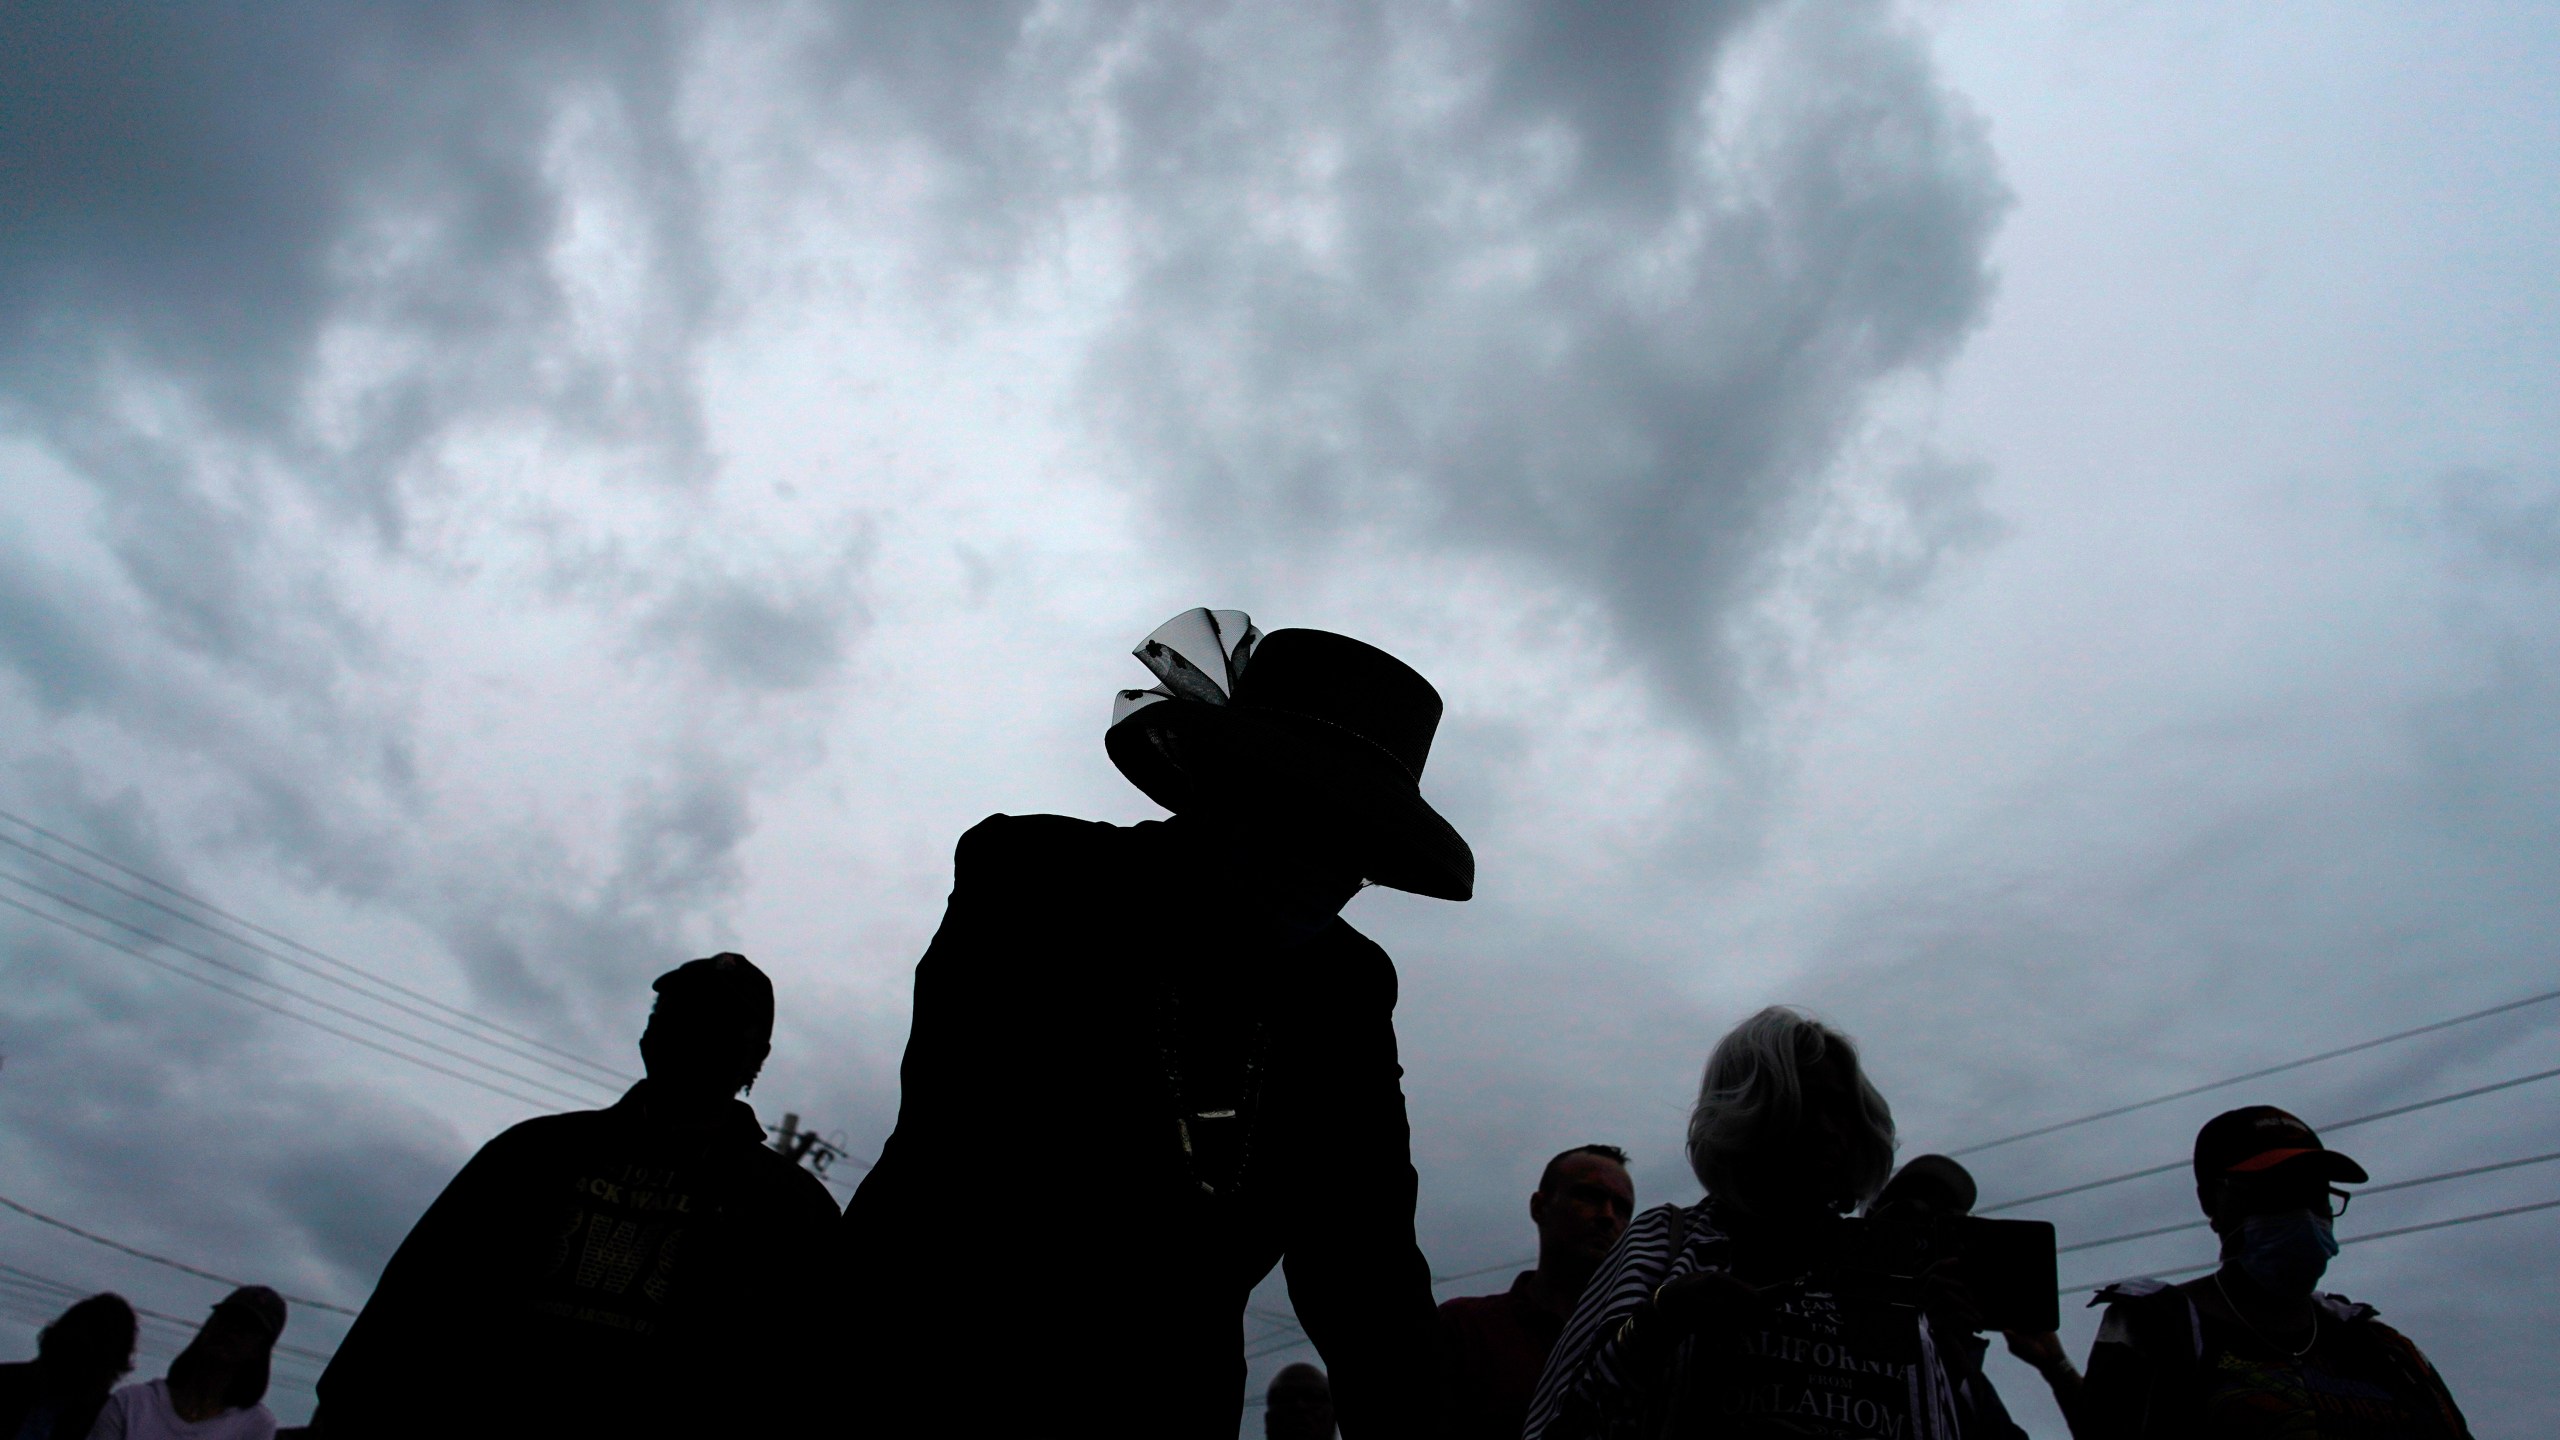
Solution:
(1197, 655)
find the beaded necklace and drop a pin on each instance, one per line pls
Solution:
(2252, 1325)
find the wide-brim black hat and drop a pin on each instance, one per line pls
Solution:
(1306, 719)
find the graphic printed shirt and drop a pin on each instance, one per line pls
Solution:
(1823, 1367)
(1817, 1365)
(605, 1272)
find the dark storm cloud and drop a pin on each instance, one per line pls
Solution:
(258, 256)
(1611, 305)
(260, 264)
(198, 193)
(1602, 291)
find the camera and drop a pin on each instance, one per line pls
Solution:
(2003, 1271)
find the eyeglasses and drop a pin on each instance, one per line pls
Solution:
(2330, 1203)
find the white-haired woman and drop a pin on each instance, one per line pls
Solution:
(1717, 1318)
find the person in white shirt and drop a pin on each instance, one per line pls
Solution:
(216, 1387)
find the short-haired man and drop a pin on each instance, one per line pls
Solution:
(2255, 1349)
(1495, 1346)
(644, 1269)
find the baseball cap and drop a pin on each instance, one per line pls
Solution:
(2260, 1139)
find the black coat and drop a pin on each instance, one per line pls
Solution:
(606, 1272)
(1033, 1255)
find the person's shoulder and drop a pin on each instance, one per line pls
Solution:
(2341, 1310)
(1469, 1307)
(1653, 1235)
(1003, 837)
(2365, 1323)
(529, 1148)
(1692, 1219)
(545, 1133)
(2146, 1313)
(789, 1191)
(1005, 848)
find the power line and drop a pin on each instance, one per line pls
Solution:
(269, 1005)
(1485, 1270)
(2427, 1225)
(140, 1254)
(2397, 1110)
(38, 1307)
(315, 953)
(254, 977)
(2194, 1090)
(2462, 1174)
(2417, 1229)
(414, 1011)
(29, 1278)
(2143, 1173)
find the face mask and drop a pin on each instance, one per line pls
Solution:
(2286, 1254)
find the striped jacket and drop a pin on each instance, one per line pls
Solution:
(1592, 1391)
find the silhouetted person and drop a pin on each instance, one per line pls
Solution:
(216, 1387)
(1721, 1318)
(1298, 1406)
(1929, 1189)
(2255, 1348)
(651, 1269)
(1496, 1345)
(79, 1358)
(1150, 1062)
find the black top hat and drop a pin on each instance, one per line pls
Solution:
(1307, 715)
(2257, 1139)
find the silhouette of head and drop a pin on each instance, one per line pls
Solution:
(2259, 1160)
(711, 1028)
(1317, 733)
(1298, 1406)
(228, 1359)
(1786, 1123)
(1585, 1198)
(89, 1346)
(1927, 1186)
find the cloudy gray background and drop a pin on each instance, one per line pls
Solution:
(2033, 532)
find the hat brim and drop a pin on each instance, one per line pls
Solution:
(2328, 1163)
(1176, 749)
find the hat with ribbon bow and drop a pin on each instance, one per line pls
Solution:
(1305, 719)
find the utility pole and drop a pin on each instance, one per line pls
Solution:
(803, 1147)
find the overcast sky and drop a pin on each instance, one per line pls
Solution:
(2033, 532)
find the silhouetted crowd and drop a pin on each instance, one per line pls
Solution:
(1151, 1063)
